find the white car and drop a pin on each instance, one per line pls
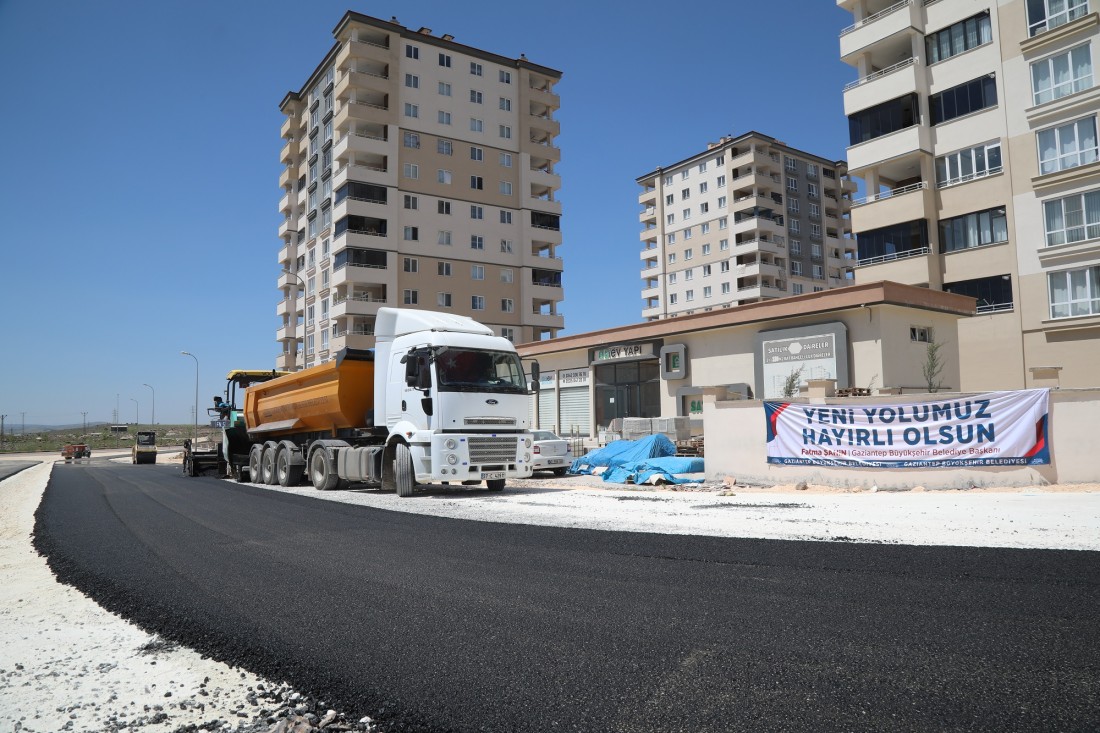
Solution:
(551, 453)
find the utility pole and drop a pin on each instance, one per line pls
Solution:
(2, 418)
(153, 409)
(23, 427)
(84, 435)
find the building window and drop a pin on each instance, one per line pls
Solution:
(796, 268)
(670, 238)
(704, 208)
(974, 230)
(672, 299)
(444, 147)
(507, 305)
(815, 251)
(921, 334)
(412, 110)
(796, 247)
(506, 104)
(411, 264)
(672, 258)
(444, 118)
(883, 119)
(790, 164)
(477, 272)
(477, 242)
(475, 96)
(443, 300)
(689, 274)
(687, 234)
(966, 165)
(688, 253)
(1073, 218)
(412, 234)
(444, 176)
(444, 89)
(445, 60)
(962, 36)
(443, 269)
(506, 275)
(476, 153)
(672, 278)
(443, 207)
(706, 250)
(725, 288)
(411, 202)
(706, 270)
(668, 180)
(412, 52)
(477, 302)
(476, 125)
(819, 272)
(684, 174)
(505, 131)
(505, 217)
(704, 228)
(964, 99)
(506, 246)
(1067, 146)
(1045, 15)
(706, 292)
(723, 245)
(792, 205)
(721, 181)
(886, 243)
(505, 77)
(686, 214)
(412, 81)
(793, 226)
(724, 266)
(669, 218)
(411, 170)
(477, 212)
(444, 237)
(505, 188)
(685, 194)
(506, 160)
(1075, 292)
(722, 222)
(1059, 76)
(689, 296)
(475, 68)
(792, 184)
(410, 297)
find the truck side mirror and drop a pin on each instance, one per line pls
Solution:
(535, 376)
(423, 373)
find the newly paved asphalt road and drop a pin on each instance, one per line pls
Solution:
(449, 625)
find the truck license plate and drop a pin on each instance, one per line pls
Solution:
(554, 461)
(488, 475)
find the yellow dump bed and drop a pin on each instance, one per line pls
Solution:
(324, 398)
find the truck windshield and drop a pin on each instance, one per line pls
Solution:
(146, 438)
(469, 370)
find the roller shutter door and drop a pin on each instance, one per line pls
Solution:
(576, 404)
(548, 413)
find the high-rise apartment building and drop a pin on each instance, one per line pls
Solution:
(973, 126)
(747, 220)
(419, 173)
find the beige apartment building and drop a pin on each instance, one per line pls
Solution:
(419, 173)
(973, 126)
(749, 219)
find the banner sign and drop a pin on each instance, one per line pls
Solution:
(990, 429)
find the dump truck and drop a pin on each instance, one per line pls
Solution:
(75, 450)
(144, 449)
(439, 399)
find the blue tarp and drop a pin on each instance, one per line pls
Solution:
(637, 461)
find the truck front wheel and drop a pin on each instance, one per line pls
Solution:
(322, 470)
(495, 484)
(403, 469)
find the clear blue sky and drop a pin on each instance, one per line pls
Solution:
(141, 156)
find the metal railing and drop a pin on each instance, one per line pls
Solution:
(896, 256)
(875, 16)
(967, 178)
(889, 194)
(995, 308)
(881, 73)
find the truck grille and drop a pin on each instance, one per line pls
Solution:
(490, 421)
(492, 450)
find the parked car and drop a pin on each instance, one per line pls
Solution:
(551, 453)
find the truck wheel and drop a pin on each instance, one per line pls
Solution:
(255, 464)
(403, 470)
(287, 473)
(322, 470)
(560, 471)
(495, 484)
(267, 466)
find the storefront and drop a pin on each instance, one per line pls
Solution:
(861, 335)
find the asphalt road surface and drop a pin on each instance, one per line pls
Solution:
(438, 625)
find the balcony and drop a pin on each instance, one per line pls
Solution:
(912, 139)
(912, 267)
(373, 111)
(544, 178)
(772, 246)
(376, 79)
(288, 176)
(541, 91)
(541, 120)
(759, 224)
(881, 86)
(284, 255)
(903, 203)
(366, 48)
(358, 304)
(881, 23)
(541, 147)
(353, 145)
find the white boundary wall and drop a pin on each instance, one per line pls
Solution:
(736, 437)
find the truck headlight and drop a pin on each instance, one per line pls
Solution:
(527, 442)
(452, 458)
(450, 444)
(526, 457)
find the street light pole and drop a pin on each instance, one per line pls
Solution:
(137, 414)
(153, 409)
(188, 353)
(84, 435)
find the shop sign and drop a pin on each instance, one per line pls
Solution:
(573, 377)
